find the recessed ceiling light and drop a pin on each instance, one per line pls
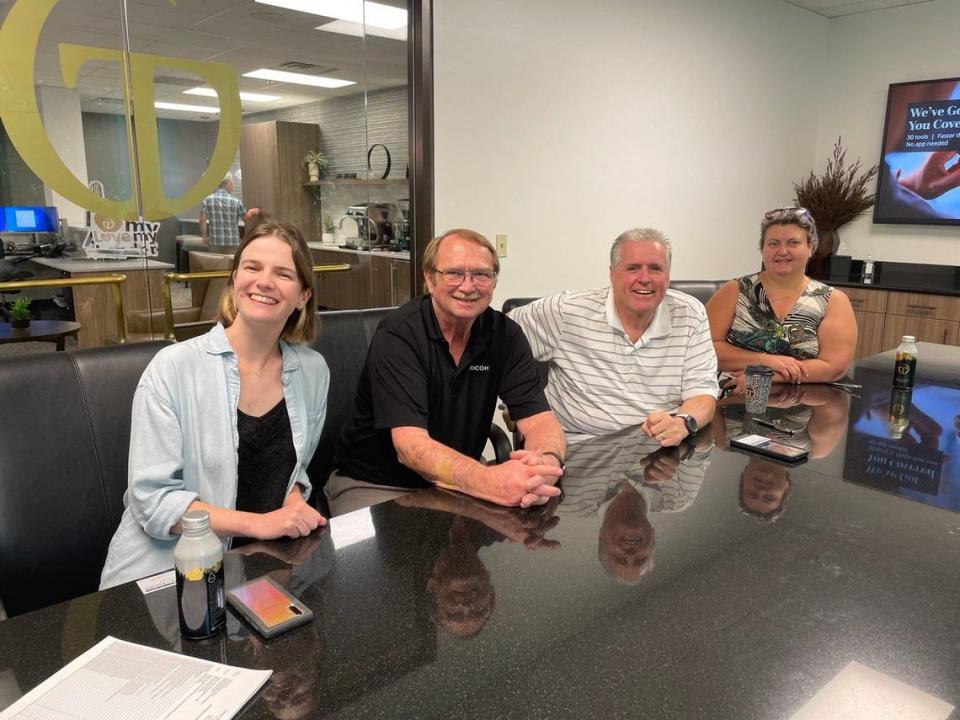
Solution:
(345, 27)
(370, 13)
(252, 97)
(186, 108)
(298, 78)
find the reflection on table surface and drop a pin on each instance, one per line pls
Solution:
(906, 441)
(695, 582)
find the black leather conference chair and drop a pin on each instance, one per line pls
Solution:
(512, 303)
(64, 437)
(702, 290)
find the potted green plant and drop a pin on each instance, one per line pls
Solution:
(328, 230)
(838, 196)
(316, 165)
(20, 312)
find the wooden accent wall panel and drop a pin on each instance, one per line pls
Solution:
(271, 156)
(258, 161)
(294, 140)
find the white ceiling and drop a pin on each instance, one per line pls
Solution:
(839, 8)
(244, 34)
(248, 35)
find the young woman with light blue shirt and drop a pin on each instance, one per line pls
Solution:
(228, 422)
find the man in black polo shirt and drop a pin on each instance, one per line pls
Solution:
(429, 388)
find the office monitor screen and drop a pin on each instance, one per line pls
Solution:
(23, 219)
(919, 180)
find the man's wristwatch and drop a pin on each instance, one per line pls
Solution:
(690, 422)
(559, 459)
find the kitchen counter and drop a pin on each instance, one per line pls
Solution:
(903, 277)
(392, 254)
(83, 265)
(93, 304)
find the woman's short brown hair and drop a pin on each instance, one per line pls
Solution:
(300, 326)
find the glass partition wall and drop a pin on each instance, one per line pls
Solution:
(123, 116)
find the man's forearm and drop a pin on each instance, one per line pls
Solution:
(542, 433)
(437, 463)
(702, 407)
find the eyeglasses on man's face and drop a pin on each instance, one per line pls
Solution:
(455, 276)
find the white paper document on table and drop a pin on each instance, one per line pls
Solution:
(117, 680)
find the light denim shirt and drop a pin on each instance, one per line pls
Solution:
(184, 439)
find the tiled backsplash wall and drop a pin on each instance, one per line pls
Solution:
(349, 125)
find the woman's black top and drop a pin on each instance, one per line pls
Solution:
(265, 459)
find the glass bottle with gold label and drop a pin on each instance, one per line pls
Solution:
(905, 367)
(898, 419)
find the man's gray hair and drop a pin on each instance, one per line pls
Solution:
(641, 235)
(228, 178)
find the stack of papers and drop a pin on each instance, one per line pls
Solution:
(124, 681)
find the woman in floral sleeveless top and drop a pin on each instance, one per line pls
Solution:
(801, 329)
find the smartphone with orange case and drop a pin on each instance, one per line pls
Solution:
(268, 607)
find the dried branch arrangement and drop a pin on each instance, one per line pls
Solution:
(840, 195)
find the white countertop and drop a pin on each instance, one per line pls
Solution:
(395, 255)
(83, 265)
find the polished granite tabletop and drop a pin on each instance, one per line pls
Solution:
(698, 582)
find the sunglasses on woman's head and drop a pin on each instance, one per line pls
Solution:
(787, 212)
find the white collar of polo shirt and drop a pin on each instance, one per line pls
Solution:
(659, 327)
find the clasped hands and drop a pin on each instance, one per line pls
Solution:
(528, 478)
(668, 430)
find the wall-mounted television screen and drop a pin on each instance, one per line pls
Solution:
(919, 180)
(21, 219)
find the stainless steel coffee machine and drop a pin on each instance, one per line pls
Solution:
(367, 234)
(376, 224)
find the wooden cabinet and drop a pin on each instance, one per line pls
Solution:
(924, 306)
(869, 307)
(929, 318)
(884, 317)
(271, 156)
(390, 282)
(343, 290)
(373, 281)
(943, 332)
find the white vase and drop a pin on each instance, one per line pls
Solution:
(313, 171)
(328, 239)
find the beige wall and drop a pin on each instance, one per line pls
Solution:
(866, 53)
(562, 123)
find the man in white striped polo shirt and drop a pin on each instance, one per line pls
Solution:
(634, 353)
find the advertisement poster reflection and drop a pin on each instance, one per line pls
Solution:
(908, 443)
